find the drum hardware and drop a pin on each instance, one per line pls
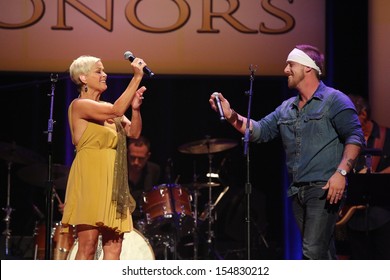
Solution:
(206, 146)
(166, 241)
(166, 247)
(39, 213)
(198, 185)
(37, 231)
(205, 214)
(36, 175)
(176, 221)
(195, 187)
(195, 215)
(167, 210)
(195, 232)
(13, 153)
(8, 210)
(211, 220)
(61, 237)
(140, 225)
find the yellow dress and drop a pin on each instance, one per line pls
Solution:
(88, 198)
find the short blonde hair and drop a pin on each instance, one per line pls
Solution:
(81, 66)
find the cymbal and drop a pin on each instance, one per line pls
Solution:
(10, 152)
(60, 183)
(202, 185)
(207, 146)
(371, 151)
(36, 175)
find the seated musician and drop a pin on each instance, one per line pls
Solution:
(369, 229)
(143, 174)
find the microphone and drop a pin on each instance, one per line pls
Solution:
(218, 101)
(129, 56)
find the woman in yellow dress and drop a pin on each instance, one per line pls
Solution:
(97, 199)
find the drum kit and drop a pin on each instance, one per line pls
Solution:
(34, 171)
(170, 214)
(62, 238)
(170, 211)
(13, 154)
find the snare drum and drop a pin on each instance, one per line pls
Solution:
(164, 201)
(134, 247)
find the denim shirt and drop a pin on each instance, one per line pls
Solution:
(314, 136)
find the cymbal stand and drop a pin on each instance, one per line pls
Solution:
(176, 221)
(205, 214)
(50, 185)
(210, 202)
(176, 215)
(8, 210)
(195, 232)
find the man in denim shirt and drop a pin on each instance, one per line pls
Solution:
(322, 138)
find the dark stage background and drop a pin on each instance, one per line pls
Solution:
(176, 112)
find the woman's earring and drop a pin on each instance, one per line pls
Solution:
(85, 88)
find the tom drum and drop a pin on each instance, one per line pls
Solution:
(165, 202)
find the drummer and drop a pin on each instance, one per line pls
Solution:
(143, 174)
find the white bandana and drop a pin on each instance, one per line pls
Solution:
(301, 57)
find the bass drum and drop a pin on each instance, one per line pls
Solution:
(134, 247)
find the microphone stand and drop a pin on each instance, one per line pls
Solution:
(248, 186)
(49, 184)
